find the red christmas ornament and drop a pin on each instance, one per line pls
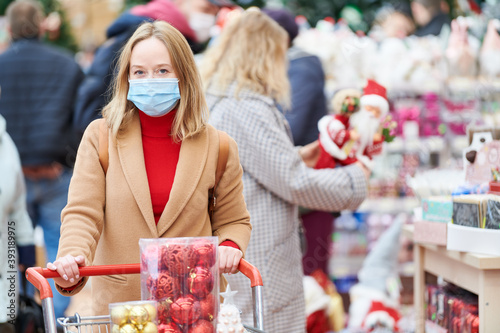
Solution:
(163, 311)
(457, 324)
(206, 252)
(201, 326)
(185, 310)
(165, 286)
(169, 328)
(475, 325)
(200, 282)
(179, 259)
(208, 308)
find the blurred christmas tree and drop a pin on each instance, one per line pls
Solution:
(131, 3)
(358, 13)
(62, 37)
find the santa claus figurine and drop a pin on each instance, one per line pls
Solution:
(354, 132)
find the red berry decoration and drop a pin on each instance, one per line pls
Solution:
(165, 286)
(185, 310)
(201, 326)
(169, 328)
(206, 252)
(200, 282)
(208, 308)
(179, 259)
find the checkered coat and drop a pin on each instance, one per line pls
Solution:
(276, 182)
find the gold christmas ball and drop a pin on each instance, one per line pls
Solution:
(128, 328)
(115, 329)
(138, 315)
(119, 315)
(149, 328)
(150, 308)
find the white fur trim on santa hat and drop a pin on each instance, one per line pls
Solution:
(358, 309)
(316, 298)
(377, 101)
(381, 318)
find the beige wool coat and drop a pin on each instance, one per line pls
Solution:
(106, 215)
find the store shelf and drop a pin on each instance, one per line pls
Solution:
(389, 205)
(477, 273)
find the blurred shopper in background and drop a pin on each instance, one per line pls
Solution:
(307, 81)
(245, 74)
(16, 226)
(429, 17)
(392, 21)
(39, 85)
(193, 18)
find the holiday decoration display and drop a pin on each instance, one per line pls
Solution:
(134, 317)
(229, 320)
(375, 298)
(452, 308)
(358, 129)
(181, 274)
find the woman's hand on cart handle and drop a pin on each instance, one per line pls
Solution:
(67, 267)
(229, 259)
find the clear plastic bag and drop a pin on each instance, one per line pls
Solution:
(182, 275)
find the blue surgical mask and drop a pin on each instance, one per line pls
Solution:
(154, 97)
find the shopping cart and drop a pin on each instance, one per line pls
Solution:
(38, 277)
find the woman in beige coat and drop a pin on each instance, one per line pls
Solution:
(162, 164)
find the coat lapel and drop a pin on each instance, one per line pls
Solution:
(131, 156)
(192, 159)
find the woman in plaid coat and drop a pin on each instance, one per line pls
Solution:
(245, 75)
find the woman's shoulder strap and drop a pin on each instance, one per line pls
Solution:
(103, 145)
(223, 154)
(221, 167)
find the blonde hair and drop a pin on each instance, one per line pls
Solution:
(192, 112)
(251, 51)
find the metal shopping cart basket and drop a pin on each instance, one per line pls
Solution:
(100, 324)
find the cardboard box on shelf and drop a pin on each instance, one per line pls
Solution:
(437, 209)
(430, 232)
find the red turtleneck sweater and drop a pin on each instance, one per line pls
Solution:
(161, 155)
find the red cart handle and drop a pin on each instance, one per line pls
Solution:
(38, 276)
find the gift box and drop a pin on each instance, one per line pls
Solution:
(468, 210)
(491, 212)
(134, 317)
(430, 232)
(494, 188)
(182, 275)
(437, 209)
